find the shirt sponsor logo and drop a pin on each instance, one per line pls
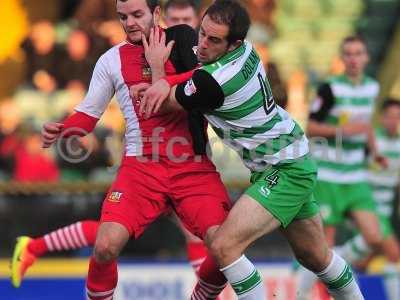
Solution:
(114, 197)
(146, 73)
(190, 88)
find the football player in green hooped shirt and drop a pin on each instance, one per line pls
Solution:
(341, 126)
(383, 183)
(232, 91)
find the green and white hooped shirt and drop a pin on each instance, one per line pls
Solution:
(385, 181)
(236, 98)
(339, 101)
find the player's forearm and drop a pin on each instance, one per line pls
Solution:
(321, 130)
(179, 78)
(78, 124)
(171, 104)
(372, 143)
(157, 72)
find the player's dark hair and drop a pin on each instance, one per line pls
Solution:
(152, 4)
(180, 4)
(232, 14)
(352, 39)
(390, 102)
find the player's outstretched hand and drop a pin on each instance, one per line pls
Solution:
(50, 132)
(155, 50)
(154, 97)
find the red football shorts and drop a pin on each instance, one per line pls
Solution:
(142, 191)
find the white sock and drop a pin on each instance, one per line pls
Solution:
(339, 280)
(354, 249)
(306, 280)
(392, 281)
(245, 280)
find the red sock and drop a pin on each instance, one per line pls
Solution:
(74, 236)
(102, 280)
(197, 253)
(211, 281)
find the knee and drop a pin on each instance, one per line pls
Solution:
(374, 241)
(223, 250)
(105, 251)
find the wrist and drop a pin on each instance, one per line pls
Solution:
(156, 65)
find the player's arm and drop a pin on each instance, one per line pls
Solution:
(88, 112)
(157, 52)
(182, 56)
(320, 108)
(201, 92)
(319, 111)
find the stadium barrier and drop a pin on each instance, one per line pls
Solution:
(76, 187)
(146, 280)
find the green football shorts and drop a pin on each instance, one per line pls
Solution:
(286, 190)
(385, 225)
(336, 200)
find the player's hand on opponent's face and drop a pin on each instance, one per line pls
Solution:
(155, 50)
(50, 132)
(154, 97)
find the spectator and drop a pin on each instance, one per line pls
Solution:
(42, 56)
(24, 158)
(90, 13)
(181, 12)
(76, 67)
(277, 85)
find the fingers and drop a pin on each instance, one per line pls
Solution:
(162, 38)
(146, 104)
(157, 106)
(151, 37)
(149, 107)
(156, 31)
(138, 89)
(48, 143)
(143, 103)
(145, 44)
(50, 133)
(142, 106)
(53, 127)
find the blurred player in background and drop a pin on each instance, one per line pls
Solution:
(83, 233)
(383, 183)
(152, 177)
(181, 12)
(232, 90)
(341, 120)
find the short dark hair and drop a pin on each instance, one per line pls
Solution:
(180, 4)
(152, 4)
(232, 14)
(389, 102)
(351, 39)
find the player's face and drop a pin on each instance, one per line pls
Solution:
(136, 18)
(391, 119)
(355, 58)
(177, 15)
(212, 41)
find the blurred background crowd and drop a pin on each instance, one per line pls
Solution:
(48, 49)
